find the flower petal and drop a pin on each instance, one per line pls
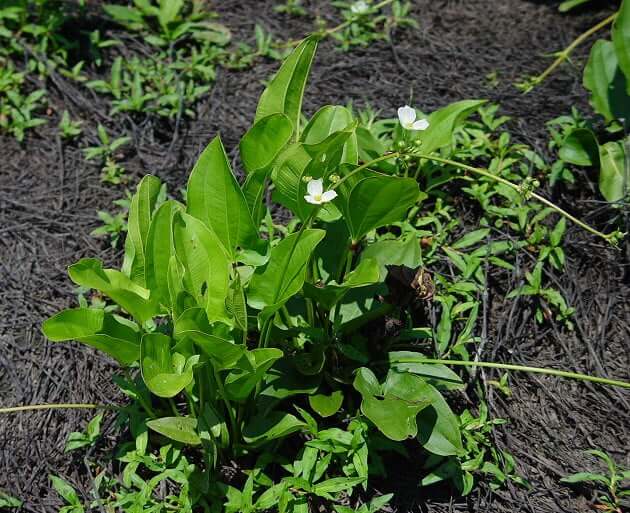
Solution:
(312, 200)
(315, 187)
(406, 115)
(329, 196)
(421, 124)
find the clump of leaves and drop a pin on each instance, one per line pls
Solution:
(613, 500)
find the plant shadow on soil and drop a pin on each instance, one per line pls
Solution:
(49, 195)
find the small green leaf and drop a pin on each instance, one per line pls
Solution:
(580, 147)
(276, 424)
(165, 373)
(614, 174)
(180, 429)
(6, 501)
(442, 124)
(471, 238)
(249, 371)
(436, 375)
(326, 405)
(67, 492)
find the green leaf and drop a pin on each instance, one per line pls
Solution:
(305, 160)
(66, 491)
(215, 198)
(366, 273)
(378, 200)
(206, 265)
(130, 296)
(403, 251)
(180, 429)
(326, 405)
(392, 407)
(264, 141)
(77, 439)
(442, 124)
(103, 331)
(329, 120)
(249, 371)
(621, 40)
(436, 375)
(284, 274)
(606, 82)
(580, 147)
(614, 174)
(567, 5)
(254, 190)
(194, 323)
(159, 250)
(140, 211)
(585, 477)
(286, 89)
(438, 426)
(276, 424)
(165, 373)
(471, 238)
(6, 501)
(337, 484)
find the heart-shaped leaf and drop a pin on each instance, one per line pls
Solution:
(326, 405)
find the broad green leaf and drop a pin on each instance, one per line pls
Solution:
(215, 198)
(621, 40)
(442, 124)
(327, 121)
(614, 174)
(436, 375)
(606, 82)
(180, 429)
(111, 334)
(305, 160)
(194, 323)
(276, 424)
(286, 89)
(264, 141)
(403, 251)
(140, 211)
(392, 407)
(377, 201)
(130, 296)
(206, 265)
(165, 373)
(366, 273)
(159, 250)
(326, 405)
(370, 148)
(254, 190)
(284, 274)
(580, 147)
(438, 426)
(249, 371)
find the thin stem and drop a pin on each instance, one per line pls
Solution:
(499, 179)
(59, 406)
(235, 438)
(522, 368)
(365, 166)
(564, 54)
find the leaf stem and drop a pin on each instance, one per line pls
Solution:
(58, 406)
(523, 368)
(564, 54)
(502, 180)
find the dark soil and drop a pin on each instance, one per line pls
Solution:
(49, 196)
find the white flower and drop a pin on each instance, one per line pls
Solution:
(407, 118)
(316, 194)
(359, 7)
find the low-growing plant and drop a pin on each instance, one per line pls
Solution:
(613, 500)
(304, 355)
